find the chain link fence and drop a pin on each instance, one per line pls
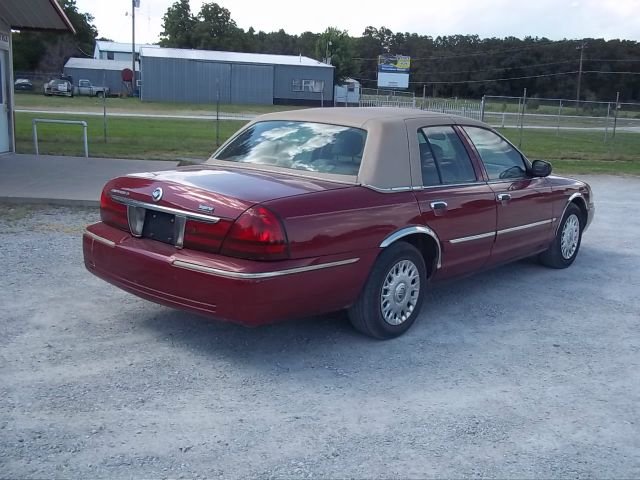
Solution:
(559, 115)
(567, 129)
(374, 97)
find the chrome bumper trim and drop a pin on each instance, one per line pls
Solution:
(160, 208)
(98, 238)
(260, 275)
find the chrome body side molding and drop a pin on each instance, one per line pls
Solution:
(411, 231)
(472, 237)
(259, 275)
(528, 225)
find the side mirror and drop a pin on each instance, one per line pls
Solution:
(540, 168)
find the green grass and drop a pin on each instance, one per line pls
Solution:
(169, 139)
(581, 152)
(134, 105)
(161, 139)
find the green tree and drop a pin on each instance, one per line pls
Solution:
(216, 30)
(177, 26)
(339, 47)
(46, 51)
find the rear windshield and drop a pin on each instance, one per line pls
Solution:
(315, 147)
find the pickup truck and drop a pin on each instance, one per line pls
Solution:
(86, 88)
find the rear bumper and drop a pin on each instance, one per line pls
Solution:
(241, 291)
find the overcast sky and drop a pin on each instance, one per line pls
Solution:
(555, 19)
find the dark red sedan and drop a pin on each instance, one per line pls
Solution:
(317, 210)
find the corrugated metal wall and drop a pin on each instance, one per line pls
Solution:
(285, 74)
(181, 80)
(252, 84)
(113, 78)
(193, 81)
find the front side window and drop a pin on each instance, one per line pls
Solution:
(314, 147)
(443, 158)
(500, 159)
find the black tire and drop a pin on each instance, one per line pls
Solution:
(366, 314)
(99, 95)
(553, 257)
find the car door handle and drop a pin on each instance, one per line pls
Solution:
(503, 197)
(439, 205)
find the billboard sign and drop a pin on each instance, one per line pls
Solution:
(393, 80)
(394, 63)
(393, 71)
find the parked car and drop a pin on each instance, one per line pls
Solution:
(23, 84)
(58, 86)
(86, 88)
(312, 211)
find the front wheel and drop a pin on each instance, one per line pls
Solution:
(391, 299)
(564, 249)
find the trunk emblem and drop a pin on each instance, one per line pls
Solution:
(205, 208)
(156, 194)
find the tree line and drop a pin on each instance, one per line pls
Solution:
(447, 66)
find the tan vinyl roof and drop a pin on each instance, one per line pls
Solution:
(389, 155)
(353, 117)
(35, 15)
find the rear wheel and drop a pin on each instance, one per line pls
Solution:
(100, 94)
(564, 249)
(391, 299)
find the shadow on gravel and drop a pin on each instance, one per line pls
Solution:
(452, 312)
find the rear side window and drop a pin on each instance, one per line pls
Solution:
(443, 158)
(315, 147)
(500, 159)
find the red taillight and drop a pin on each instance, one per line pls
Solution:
(205, 236)
(257, 235)
(112, 212)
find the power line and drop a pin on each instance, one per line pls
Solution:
(525, 77)
(612, 60)
(498, 68)
(490, 52)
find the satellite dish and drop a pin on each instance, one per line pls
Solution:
(127, 75)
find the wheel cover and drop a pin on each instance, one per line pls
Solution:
(400, 292)
(570, 236)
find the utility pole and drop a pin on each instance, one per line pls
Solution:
(134, 4)
(581, 48)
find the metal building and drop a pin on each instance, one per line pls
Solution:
(101, 73)
(106, 50)
(199, 76)
(38, 15)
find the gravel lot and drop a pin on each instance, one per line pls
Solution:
(517, 372)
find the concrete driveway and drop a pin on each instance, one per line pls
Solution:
(520, 372)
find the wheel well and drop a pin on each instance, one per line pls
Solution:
(580, 203)
(428, 248)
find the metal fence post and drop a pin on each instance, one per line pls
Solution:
(559, 117)
(35, 136)
(482, 106)
(606, 122)
(615, 115)
(86, 141)
(524, 106)
(104, 104)
(218, 116)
